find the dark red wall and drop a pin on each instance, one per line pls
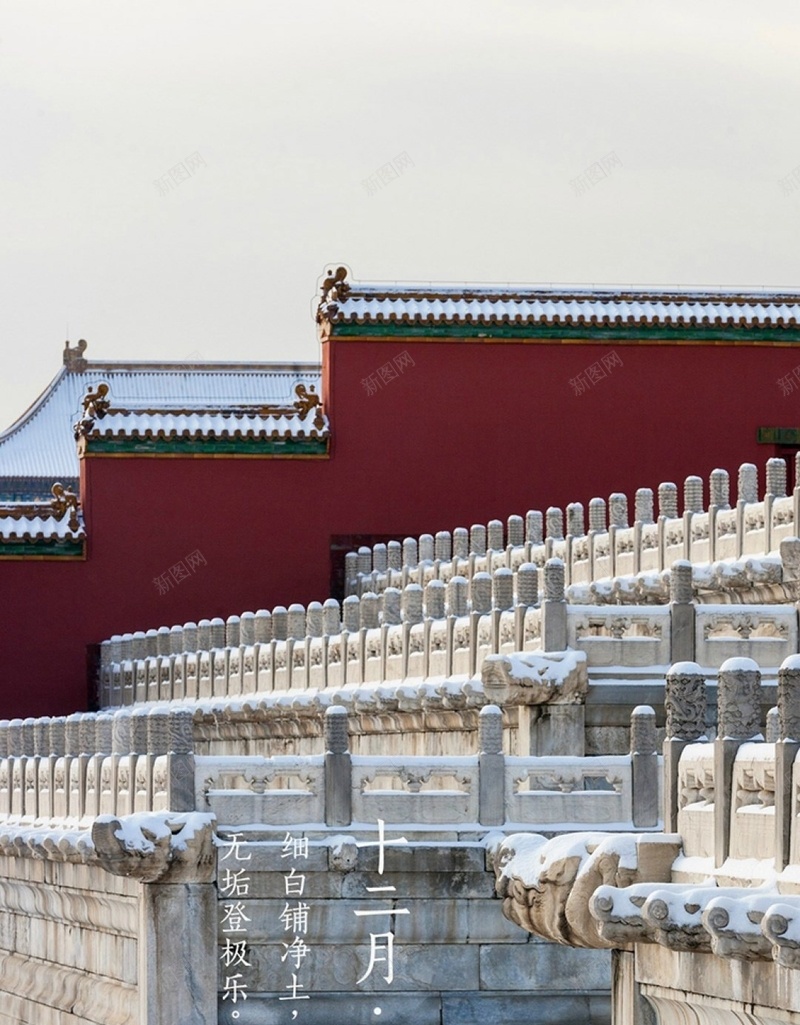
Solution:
(470, 432)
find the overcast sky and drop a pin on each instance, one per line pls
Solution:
(176, 175)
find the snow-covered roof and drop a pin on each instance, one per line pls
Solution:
(169, 424)
(349, 302)
(41, 443)
(33, 528)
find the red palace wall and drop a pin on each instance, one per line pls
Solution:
(470, 432)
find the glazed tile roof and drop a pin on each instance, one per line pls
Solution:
(41, 443)
(346, 302)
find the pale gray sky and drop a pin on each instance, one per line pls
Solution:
(292, 106)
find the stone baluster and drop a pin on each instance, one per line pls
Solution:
(180, 760)
(412, 603)
(503, 589)
(494, 535)
(350, 572)
(719, 488)
(204, 635)
(126, 647)
(693, 494)
(426, 548)
(457, 596)
(434, 599)
(597, 516)
(139, 645)
(682, 612)
(644, 766)
(115, 648)
(491, 768)
(515, 528)
(685, 708)
(443, 546)
(394, 555)
(410, 553)
(351, 613)
(331, 618)
(157, 747)
(41, 751)
(247, 629)
(527, 584)
(41, 736)
(314, 617)
(554, 521)
(369, 611)
(534, 527)
(576, 525)
(748, 483)
(233, 632)
(392, 606)
(338, 767)
(380, 557)
(72, 751)
(175, 640)
(739, 720)
(554, 607)
(787, 747)
(618, 510)
(191, 637)
(296, 622)
(643, 506)
(280, 623)
(364, 565)
(28, 727)
(477, 539)
(217, 627)
(122, 766)
(481, 593)
(668, 500)
(461, 543)
(263, 626)
(151, 643)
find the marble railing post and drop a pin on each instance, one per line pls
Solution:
(461, 543)
(394, 555)
(434, 599)
(233, 632)
(786, 750)
(554, 524)
(644, 767)
(796, 496)
(494, 537)
(369, 611)
(180, 761)
(685, 707)
(338, 768)
(682, 612)
(121, 746)
(516, 531)
(739, 720)
(776, 478)
(618, 510)
(554, 607)
(296, 621)
(442, 546)
(457, 596)
(503, 589)
(426, 551)
(747, 495)
(392, 607)
(533, 527)
(350, 573)
(576, 525)
(491, 768)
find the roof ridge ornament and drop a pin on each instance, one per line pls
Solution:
(73, 358)
(334, 288)
(95, 406)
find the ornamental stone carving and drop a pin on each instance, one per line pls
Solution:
(685, 701)
(739, 698)
(165, 846)
(789, 698)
